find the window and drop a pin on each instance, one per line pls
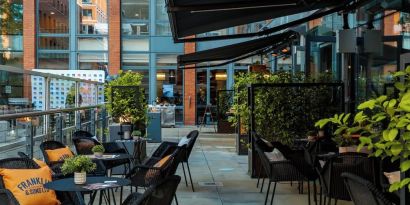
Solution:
(57, 61)
(135, 60)
(87, 13)
(167, 60)
(53, 16)
(53, 43)
(135, 9)
(93, 17)
(93, 44)
(139, 44)
(93, 61)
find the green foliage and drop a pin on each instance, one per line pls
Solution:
(98, 148)
(78, 163)
(384, 126)
(224, 104)
(11, 17)
(136, 133)
(281, 113)
(128, 104)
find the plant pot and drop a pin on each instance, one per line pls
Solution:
(98, 154)
(127, 135)
(136, 137)
(80, 177)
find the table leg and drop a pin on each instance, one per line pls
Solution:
(92, 198)
(80, 198)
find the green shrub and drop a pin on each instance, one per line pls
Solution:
(78, 163)
(98, 148)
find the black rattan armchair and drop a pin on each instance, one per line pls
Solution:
(363, 191)
(278, 171)
(7, 197)
(330, 176)
(159, 194)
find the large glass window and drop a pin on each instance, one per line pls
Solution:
(93, 61)
(138, 44)
(135, 9)
(93, 44)
(53, 16)
(135, 60)
(167, 60)
(54, 43)
(57, 61)
(93, 17)
(11, 29)
(169, 86)
(162, 23)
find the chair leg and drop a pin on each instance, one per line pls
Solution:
(263, 182)
(190, 178)
(335, 201)
(308, 185)
(121, 189)
(330, 201)
(273, 193)
(267, 192)
(259, 176)
(315, 192)
(183, 168)
(176, 199)
(113, 196)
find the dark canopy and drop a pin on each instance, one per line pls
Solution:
(190, 17)
(238, 51)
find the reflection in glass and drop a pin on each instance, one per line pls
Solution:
(135, 59)
(93, 61)
(163, 29)
(169, 87)
(138, 29)
(53, 16)
(133, 9)
(93, 17)
(93, 44)
(9, 58)
(53, 43)
(168, 60)
(59, 61)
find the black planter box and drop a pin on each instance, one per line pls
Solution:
(224, 126)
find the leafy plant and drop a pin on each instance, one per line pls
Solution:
(281, 113)
(136, 133)
(224, 104)
(384, 126)
(98, 149)
(78, 163)
(128, 104)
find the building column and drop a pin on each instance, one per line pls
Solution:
(189, 89)
(29, 43)
(114, 37)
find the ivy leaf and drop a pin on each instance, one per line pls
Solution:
(386, 135)
(393, 134)
(404, 166)
(378, 152)
(381, 98)
(406, 136)
(365, 140)
(346, 117)
(402, 122)
(404, 182)
(394, 187)
(398, 74)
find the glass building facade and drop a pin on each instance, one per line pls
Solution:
(77, 35)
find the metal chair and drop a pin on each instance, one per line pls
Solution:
(7, 197)
(362, 191)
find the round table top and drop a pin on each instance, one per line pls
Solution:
(67, 184)
(111, 156)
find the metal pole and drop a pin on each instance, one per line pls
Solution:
(29, 139)
(59, 128)
(92, 122)
(104, 124)
(46, 104)
(77, 114)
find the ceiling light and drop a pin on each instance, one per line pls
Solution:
(161, 76)
(221, 76)
(52, 13)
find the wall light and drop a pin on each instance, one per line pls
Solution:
(161, 76)
(221, 76)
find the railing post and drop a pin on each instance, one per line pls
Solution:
(46, 105)
(77, 104)
(59, 128)
(92, 121)
(30, 139)
(103, 123)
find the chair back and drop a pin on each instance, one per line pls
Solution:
(7, 197)
(356, 163)
(82, 133)
(23, 155)
(50, 145)
(363, 192)
(178, 156)
(264, 159)
(164, 192)
(193, 135)
(83, 145)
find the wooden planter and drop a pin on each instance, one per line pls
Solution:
(258, 68)
(224, 126)
(353, 149)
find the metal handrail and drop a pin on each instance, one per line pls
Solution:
(48, 112)
(41, 74)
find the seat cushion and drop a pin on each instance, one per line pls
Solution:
(40, 163)
(61, 154)
(183, 141)
(27, 185)
(275, 156)
(162, 162)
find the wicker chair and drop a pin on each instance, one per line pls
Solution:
(264, 146)
(169, 147)
(159, 194)
(330, 175)
(363, 192)
(7, 196)
(278, 171)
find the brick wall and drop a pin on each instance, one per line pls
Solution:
(189, 89)
(114, 33)
(29, 42)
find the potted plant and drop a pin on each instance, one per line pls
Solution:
(128, 105)
(136, 134)
(311, 135)
(224, 111)
(79, 165)
(98, 150)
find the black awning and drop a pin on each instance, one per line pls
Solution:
(190, 17)
(237, 51)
